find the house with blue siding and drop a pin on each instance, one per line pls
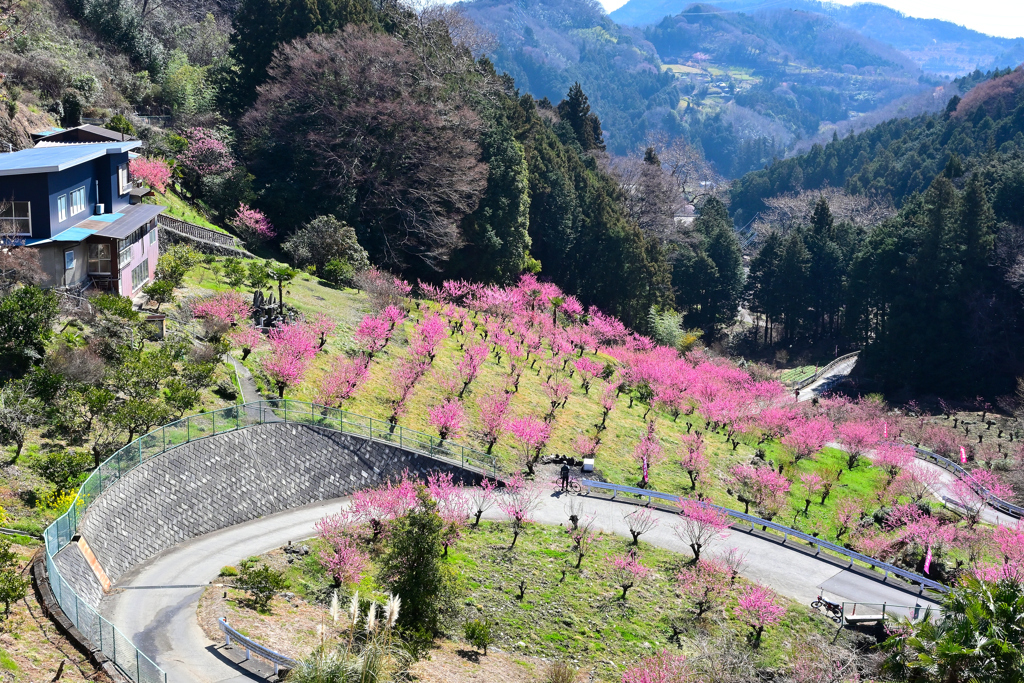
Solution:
(72, 202)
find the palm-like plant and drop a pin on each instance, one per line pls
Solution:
(979, 637)
(373, 656)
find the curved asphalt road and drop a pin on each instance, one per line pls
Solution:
(155, 604)
(826, 382)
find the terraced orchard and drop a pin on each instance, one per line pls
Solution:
(525, 371)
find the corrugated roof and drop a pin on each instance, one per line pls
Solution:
(75, 234)
(59, 157)
(134, 217)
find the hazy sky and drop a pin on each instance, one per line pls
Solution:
(995, 17)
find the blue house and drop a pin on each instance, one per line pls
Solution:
(72, 202)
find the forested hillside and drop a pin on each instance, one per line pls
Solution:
(938, 47)
(745, 88)
(934, 293)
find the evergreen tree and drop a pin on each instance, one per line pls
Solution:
(764, 283)
(708, 277)
(575, 110)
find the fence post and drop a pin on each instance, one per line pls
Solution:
(213, 421)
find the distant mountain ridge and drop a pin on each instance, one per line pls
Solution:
(938, 47)
(745, 88)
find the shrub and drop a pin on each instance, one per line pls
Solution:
(323, 240)
(160, 291)
(260, 582)
(478, 634)
(63, 468)
(174, 265)
(259, 275)
(121, 124)
(338, 272)
(561, 672)
(412, 566)
(12, 586)
(228, 571)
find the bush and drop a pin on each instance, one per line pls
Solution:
(12, 586)
(323, 240)
(234, 272)
(115, 304)
(478, 634)
(560, 672)
(412, 565)
(228, 571)
(226, 389)
(161, 292)
(259, 275)
(63, 468)
(260, 582)
(338, 272)
(121, 124)
(174, 265)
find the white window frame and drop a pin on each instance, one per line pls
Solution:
(123, 184)
(13, 219)
(143, 280)
(98, 259)
(78, 193)
(71, 253)
(62, 208)
(124, 252)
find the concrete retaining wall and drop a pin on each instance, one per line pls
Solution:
(232, 478)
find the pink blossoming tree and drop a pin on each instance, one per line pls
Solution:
(517, 501)
(628, 572)
(340, 554)
(153, 171)
(292, 349)
(447, 417)
(230, 307)
(251, 223)
(759, 608)
(704, 584)
(531, 435)
(699, 525)
(341, 381)
(662, 668)
(692, 457)
(648, 453)
(493, 410)
(247, 338)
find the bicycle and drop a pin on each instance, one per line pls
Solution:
(833, 609)
(573, 486)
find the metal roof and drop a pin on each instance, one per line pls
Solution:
(75, 234)
(133, 217)
(59, 158)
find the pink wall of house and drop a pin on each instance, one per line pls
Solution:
(141, 251)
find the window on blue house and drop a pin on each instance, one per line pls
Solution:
(77, 201)
(16, 218)
(62, 207)
(99, 258)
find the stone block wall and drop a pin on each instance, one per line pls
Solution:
(232, 478)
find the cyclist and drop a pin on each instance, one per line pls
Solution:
(565, 476)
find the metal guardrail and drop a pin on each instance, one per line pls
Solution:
(950, 466)
(252, 647)
(823, 371)
(133, 663)
(787, 532)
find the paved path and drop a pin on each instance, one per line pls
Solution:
(155, 604)
(826, 382)
(250, 394)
